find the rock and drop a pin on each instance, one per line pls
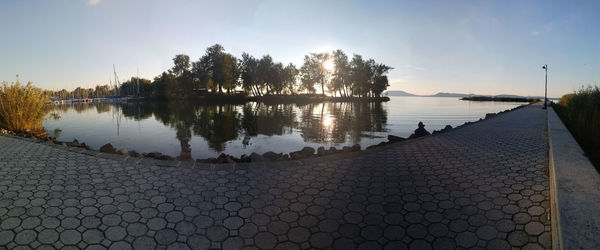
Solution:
(355, 147)
(285, 157)
(447, 128)
(133, 153)
(234, 159)
(223, 158)
(321, 151)
(75, 143)
(489, 115)
(108, 148)
(333, 150)
(308, 151)
(347, 149)
(272, 156)
(123, 152)
(245, 158)
(165, 158)
(154, 155)
(83, 145)
(254, 157)
(393, 138)
(420, 132)
(305, 152)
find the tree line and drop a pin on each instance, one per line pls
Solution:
(219, 72)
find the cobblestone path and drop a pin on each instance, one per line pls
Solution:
(479, 186)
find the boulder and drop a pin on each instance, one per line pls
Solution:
(420, 132)
(333, 150)
(272, 156)
(245, 158)
(75, 143)
(165, 158)
(321, 151)
(123, 152)
(489, 115)
(347, 149)
(254, 157)
(355, 147)
(308, 151)
(447, 128)
(393, 138)
(304, 153)
(108, 148)
(133, 153)
(154, 155)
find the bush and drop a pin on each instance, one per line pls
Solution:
(580, 112)
(22, 107)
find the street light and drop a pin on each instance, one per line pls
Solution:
(545, 67)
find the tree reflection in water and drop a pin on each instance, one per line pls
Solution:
(330, 122)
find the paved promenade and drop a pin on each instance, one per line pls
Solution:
(481, 186)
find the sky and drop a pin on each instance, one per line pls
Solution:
(482, 47)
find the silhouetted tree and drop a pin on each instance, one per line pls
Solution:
(340, 80)
(313, 72)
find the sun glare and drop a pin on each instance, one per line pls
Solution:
(329, 65)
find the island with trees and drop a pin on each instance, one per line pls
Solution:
(218, 76)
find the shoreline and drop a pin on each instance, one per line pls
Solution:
(304, 153)
(269, 99)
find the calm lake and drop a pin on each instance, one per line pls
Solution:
(207, 130)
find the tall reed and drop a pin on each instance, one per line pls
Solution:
(580, 112)
(22, 107)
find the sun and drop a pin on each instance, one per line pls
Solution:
(329, 65)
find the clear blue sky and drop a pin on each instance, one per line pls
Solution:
(485, 47)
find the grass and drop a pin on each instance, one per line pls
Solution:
(580, 112)
(23, 107)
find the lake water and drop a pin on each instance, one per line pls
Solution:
(203, 131)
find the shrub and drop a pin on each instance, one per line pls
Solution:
(22, 107)
(580, 112)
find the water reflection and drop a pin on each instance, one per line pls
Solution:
(322, 123)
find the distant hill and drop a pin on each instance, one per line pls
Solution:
(399, 93)
(443, 94)
(460, 95)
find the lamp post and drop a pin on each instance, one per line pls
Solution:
(545, 67)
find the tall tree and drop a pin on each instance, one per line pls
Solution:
(340, 80)
(379, 80)
(249, 73)
(360, 76)
(313, 71)
(181, 64)
(289, 77)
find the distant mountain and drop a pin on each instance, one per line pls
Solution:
(399, 93)
(459, 95)
(442, 94)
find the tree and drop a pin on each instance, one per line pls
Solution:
(360, 76)
(266, 73)
(249, 74)
(313, 71)
(340, 80)
(181, 64)
(289, 77)
(379, 80)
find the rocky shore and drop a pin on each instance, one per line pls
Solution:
(304, 153)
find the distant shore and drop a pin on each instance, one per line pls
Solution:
(499, 99)
(271, 99)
